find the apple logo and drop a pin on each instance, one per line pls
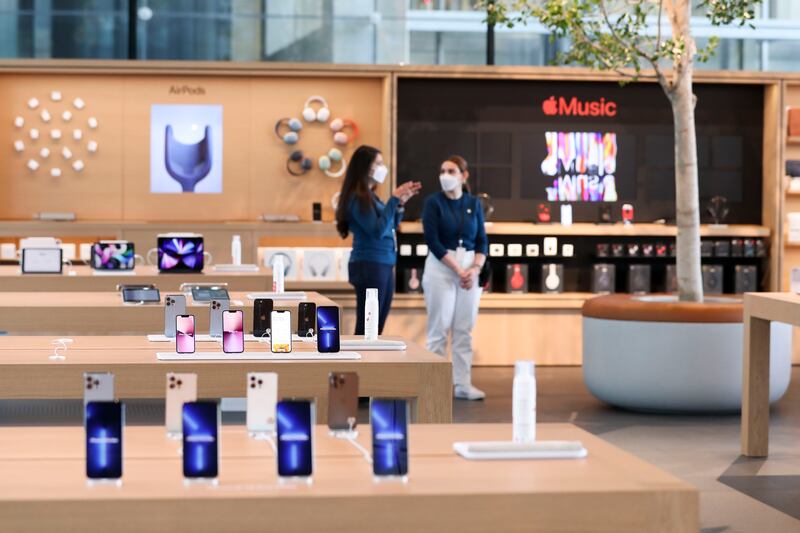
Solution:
(549, 106)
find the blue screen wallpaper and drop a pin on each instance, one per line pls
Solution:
(200, 444)
(294, 438)
(104, 422)
(389, 419)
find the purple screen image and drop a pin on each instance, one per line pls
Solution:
(180, 254)
(232, 332)
(184, 337)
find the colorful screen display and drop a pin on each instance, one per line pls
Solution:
(104, 421)
(389, 420)
(200, 444)
(582, 165)
(232, 331)
(328, 329)
(184, 334)
(113, 256)
(295, 451)
(180, 254)
(281, 337)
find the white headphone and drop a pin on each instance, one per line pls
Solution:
(551, 281)
(321, 115)
(326, 161)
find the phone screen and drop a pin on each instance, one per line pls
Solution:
(295, 453)
(389, 420)
(306, 318)
(184, 334)
(328, 329)
(233, 331)
(200, 444)
(104, 421)
(141, 295)
(262, 311)
(281, 338)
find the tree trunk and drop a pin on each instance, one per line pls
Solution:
(687, 201)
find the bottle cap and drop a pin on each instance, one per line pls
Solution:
(526, 367)
(372, 293)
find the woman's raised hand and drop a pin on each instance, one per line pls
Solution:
(407, 190)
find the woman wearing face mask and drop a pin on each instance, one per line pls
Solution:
(454, 231)
(373, 225)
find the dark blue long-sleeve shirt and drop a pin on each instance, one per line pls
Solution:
(443, 227)
(373, 230)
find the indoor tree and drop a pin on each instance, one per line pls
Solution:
(613, 35)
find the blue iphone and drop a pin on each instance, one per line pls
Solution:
(389, 420)
(295, 433)
(104, 423)
(200, 440)
(328, 329)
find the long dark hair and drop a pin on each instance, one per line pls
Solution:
(356, 183)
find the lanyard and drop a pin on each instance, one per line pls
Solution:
(459, 221)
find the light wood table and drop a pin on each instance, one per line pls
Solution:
(85, 280)
(27, 372)
(760, 308)
(104, 313)
(43, 487)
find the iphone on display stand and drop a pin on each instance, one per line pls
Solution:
(217, 307)
(306, 319)
(389, 424)
(262, 311)
(200, 442)
(184, 334)
(343, 404)
(98, 387)
(103, 424)
(262, 396)
(295, 443)
(233, 331)
(174, 305)
(328, 333)
(181, 388)
(281, 337)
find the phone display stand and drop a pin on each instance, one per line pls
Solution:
(258, 356)
(176, 435)
(499, 450)
(295, 480)
(266, 340)
(379, 345)
(261, 435)
(287, 295)
(117, 483)
(389, 479)
(202, 481)
(347, 434)
(59, 349)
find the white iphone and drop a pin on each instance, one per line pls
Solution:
(98, 387)
(174, 305)
(281, 338)
(262, 395)
(181, 388)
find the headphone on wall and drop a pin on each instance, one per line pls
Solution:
(320, 115)
(325, 162)
(291, 136)
(298, 164)
(340, 137)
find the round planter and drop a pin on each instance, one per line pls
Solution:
(657, 354)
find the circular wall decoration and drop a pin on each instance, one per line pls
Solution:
(42, 127)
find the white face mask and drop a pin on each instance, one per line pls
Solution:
(449, 182)
(379, 173)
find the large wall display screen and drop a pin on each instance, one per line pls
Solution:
(586, 143)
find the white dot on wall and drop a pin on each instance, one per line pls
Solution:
(33, 164)
(77, 135)
(19, 145)
(92, 122)
(34, 133)
(44, 152)
(66, 116)
(55, 172)
(55, 134)
(79, 103)
(77, 165)
(33, 103)
(55, 96)
(45, 115)
(92, 146)
(19, 122)
(67, 153)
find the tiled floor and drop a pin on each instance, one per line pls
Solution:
(737, 494)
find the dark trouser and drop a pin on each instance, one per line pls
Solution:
(370, 275)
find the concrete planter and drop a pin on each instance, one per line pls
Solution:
(656, 354)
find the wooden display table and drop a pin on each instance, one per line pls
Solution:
(84, 279)
(104, 313)
(27, 372)
(759, 310)
(43, 487)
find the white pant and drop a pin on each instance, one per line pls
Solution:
(451, 308)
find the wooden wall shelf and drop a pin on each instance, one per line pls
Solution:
(605, 230)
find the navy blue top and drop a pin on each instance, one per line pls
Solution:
(442, 221)
(373, 230)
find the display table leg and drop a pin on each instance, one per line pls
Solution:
(755, 387)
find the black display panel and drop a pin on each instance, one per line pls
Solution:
(586, 143)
